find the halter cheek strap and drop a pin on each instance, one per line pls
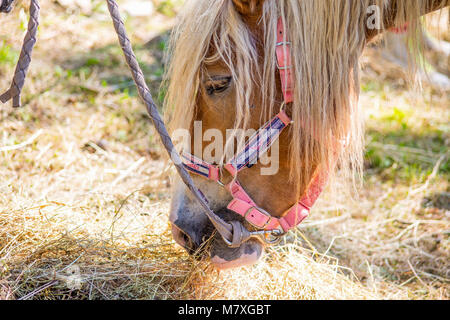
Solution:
(258, 144)
(284, 65)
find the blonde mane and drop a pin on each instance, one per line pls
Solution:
(327, 37)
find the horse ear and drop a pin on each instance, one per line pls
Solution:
(249, 7)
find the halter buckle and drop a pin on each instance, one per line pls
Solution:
(279, 44)
(263, 212)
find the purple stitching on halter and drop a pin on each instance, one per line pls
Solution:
(195, 165)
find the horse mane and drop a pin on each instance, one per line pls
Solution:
(327, 37)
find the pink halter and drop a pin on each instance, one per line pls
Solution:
(257, 145)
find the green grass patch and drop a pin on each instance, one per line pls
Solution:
(8, 55)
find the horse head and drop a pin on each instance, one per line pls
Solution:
(224, 69)
(224, 79)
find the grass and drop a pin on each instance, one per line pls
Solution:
(84, 192)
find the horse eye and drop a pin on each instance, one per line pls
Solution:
(217, 85)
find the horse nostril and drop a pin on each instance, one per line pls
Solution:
(190, 245)
(187, 240)
(182, 238)
(194, 249)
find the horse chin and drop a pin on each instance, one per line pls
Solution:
(6, 5)
(224, 257)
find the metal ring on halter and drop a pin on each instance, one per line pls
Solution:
(219, 180)
(271, 237)
(227, 242)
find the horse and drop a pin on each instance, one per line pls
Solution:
(224, 73)
(289, 68)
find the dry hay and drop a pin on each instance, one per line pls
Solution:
(84, 198)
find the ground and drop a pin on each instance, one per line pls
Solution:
(85, 188)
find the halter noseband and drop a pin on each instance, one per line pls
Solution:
(258, 145)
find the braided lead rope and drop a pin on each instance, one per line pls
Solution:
(25, 58)
(233, 234)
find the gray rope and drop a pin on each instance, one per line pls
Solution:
(234, 233)
(20, 73)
